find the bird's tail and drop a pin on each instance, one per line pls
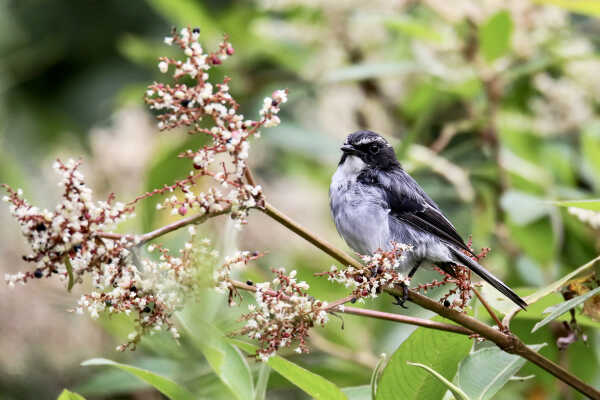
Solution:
(488, 277)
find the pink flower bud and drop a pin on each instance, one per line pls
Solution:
(182, 210)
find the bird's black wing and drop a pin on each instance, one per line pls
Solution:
(410, 204)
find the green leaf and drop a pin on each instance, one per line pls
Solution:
(483, 373)
(166, 386)
(532, 298)
(376, 374)
(313, 384)
(587, 7)
(69, 273)
(495, 35)
(458, 393)
(67, 395)
(441, 350)
(226, 360)
(593, 205)
(559, 309)
(362, 392)
(261, 384)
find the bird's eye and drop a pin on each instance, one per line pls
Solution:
(374, 148)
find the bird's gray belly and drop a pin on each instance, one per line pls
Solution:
(363, 220)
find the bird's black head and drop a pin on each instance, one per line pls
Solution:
(371, 148)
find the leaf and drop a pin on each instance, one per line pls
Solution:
(458, 393)
(559, 309)
(483, 373)
(226, 360)
(376, 374)
(67, 395)
(441, 350)
(261, 383)
(587, 7)
(314, 385)
(559, 283)
(593, 205)
(164, 385)
(362, 392)
(69, 273)
(495, 35)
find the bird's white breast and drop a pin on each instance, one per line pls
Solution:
(347, 172)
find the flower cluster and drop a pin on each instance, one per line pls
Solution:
(152, 289)
(186, 105)
(283, 314)
(381, 270)
(65, 241)
(74, 240)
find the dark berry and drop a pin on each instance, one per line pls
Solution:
(133, 289)
(196, 30)
(77, 247)
(249, 283)
(40, 227)
(446, 303)
(353, 300)
(185, 102)
(146, 309)
(274, 103)
(38, 273)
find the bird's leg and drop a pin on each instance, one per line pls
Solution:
(401, 300)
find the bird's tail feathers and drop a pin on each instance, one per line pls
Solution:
(488, 277)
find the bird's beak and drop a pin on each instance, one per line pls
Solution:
(348, 149)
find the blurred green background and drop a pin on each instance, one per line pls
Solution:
(493, 106)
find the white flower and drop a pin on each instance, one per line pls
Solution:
(163, 67)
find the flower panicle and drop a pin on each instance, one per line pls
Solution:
(185, 105)
(283, 315)
(381, 270)
(69, 233)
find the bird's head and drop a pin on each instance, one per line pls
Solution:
(370, 148)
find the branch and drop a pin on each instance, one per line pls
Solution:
(194, 219)
(506, 341)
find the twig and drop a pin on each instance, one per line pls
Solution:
(194, 219)
(489, 309)
(427, 323)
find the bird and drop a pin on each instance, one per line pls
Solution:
(374, 202)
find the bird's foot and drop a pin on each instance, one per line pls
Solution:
(401, 300)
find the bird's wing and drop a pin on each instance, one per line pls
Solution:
(410, 204)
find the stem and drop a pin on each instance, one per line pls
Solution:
(427, 323)
(194, 219)
(506, 341)
(489, 309)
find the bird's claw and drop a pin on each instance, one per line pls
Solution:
(401, 300)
